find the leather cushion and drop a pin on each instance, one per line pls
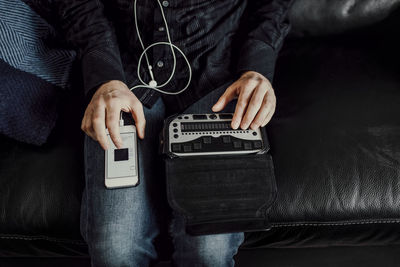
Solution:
(323, 17)
(41, 187)
(334, 138)
(335, 141)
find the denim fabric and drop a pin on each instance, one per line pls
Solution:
(120, 225)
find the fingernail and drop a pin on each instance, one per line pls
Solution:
(235, 124)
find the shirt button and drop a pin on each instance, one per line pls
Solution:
(160, 64)
(161, 29)
(165, 3)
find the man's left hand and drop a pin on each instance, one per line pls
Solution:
(256, 101)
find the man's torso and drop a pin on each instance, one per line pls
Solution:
(206, 31)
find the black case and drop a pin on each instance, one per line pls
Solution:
(223, 193)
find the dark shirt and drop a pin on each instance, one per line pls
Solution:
(221, 39)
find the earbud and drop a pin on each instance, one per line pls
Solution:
(152, 83)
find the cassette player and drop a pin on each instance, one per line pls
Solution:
(210, 134)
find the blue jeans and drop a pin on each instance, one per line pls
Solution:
(120, 225)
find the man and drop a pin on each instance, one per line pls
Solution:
(224, 41)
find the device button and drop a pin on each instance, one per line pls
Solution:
(225, 116)
(207, 140)
(199, 117)
(174, 124)
(247, 145)
(213, 116)
(186, 117)
(160, 64)
(226, 139)
(175, 130)
(254, 133)
(176, 135)
(165, 3)
(187, 148)
(197, 146)
(176, 148)
(257, 144)
(237, 144)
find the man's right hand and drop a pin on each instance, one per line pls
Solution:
(104, 111)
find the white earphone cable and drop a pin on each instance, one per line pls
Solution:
(144, 53)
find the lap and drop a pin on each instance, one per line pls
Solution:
(104, 208)
(127, 204)
(126, 212)
(205, 250)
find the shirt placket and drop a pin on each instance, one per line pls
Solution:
(161, 53)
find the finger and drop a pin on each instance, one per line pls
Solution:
(270, 113)
(254, 106)
(99, 126)
(86, 125)
(241, 105)
(261, 115)
(268, 118)
(229, 94)
(138, 116)
(112, 124)
(91, 133)
(267, 105)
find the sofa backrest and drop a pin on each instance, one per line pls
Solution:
(323, 17)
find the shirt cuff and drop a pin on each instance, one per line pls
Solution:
(99, 66)
(257, 56)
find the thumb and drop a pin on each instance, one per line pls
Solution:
(224, 99)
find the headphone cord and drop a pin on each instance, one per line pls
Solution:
(153, 84)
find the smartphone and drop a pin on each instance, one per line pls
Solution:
(121, 165)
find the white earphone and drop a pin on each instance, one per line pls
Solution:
(152, 84)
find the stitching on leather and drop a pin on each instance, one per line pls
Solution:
(57, 240)
(277, 225)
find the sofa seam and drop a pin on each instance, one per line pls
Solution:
(278, 225)
(273, 225)
(56, 240)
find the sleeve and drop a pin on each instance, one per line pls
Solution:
(84, 26)
(267, 26)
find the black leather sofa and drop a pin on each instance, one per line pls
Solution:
(335, 142)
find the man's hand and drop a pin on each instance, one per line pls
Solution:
(256, 101)
(104, 111)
